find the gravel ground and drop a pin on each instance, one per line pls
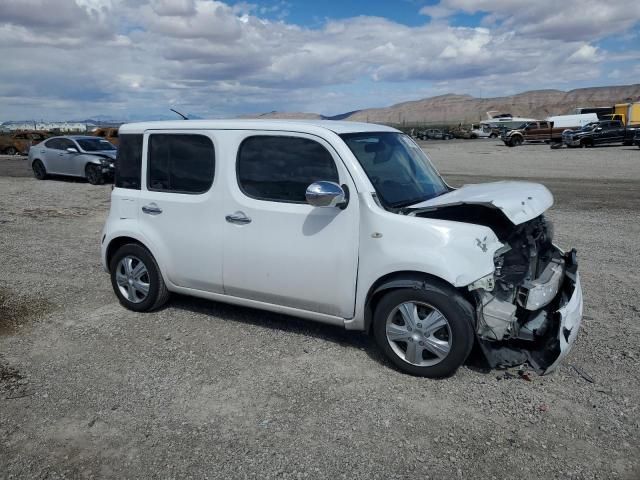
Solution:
(201, 389)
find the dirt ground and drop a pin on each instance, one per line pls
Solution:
(204, 390)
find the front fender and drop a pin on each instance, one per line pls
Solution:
(455, 252)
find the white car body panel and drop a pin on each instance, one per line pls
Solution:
(311, 262)
(519, 201)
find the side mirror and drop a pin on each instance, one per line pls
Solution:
(326, 194)
(72, 150)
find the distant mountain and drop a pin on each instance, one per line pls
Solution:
(452, 108)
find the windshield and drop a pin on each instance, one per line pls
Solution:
(590, 126)
(398, 169)
(94, 144)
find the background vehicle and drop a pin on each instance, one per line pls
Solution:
(108, 133)
(599, 133)
(542, 131)
(572, 121)
(20, 142)
(503, 121)
(434, 134)
(629, 115)
(79, 156)
(483, 131)
(636, 138)
(546, 130)
(343, 223)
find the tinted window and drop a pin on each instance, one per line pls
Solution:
(180, 163)
(95, 144)
(544, 125)
(54, 143)
(66, 143)
(129, 162)
(616, 124)
(280, 168)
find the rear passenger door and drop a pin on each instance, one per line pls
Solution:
(180, 205)
(278, 248)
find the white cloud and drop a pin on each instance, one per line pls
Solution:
(141, 55)
(566, 20)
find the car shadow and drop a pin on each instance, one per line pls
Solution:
(300, 326)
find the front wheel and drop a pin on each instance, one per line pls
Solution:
(516, 141)
(93, 174)
(136, 279)
(426, 332)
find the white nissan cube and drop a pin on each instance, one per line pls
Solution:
(343, 223)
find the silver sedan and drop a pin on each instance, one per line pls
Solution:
(79, 156)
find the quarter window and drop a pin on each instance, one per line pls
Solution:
(181, 163)
(129, 162)
(279, 168)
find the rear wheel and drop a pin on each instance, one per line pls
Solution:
(136, 279)
(39, 171)
(93, 174)
(426, 332)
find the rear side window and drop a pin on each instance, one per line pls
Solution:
(280, 169)
(54, 144)
(180, 163)
(129, 162)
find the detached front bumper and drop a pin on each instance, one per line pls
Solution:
(570, 320)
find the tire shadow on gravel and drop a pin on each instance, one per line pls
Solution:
(300, 326)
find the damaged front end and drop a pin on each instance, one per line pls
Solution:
(530, 308)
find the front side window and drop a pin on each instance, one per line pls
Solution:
(95, 144)
(129, 162)
(398, 168)
(279, 168)
(180, 163)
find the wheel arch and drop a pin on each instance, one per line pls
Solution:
(404, 279)
(117, 242)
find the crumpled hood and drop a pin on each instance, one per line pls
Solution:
(519, 201)
(111, 154)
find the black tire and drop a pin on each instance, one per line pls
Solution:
(586, 143)
(39, 171)
(445, 300)
(93, 174)
(157, 294)
(10, 151)
(516, 141)
(493, 135)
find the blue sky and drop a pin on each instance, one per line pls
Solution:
(214, 58)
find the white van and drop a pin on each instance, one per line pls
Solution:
(344, 223)
(573, 121)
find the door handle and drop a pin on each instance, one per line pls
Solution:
(152, 209)
(238, 218)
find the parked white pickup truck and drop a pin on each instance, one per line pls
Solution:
(344, 223)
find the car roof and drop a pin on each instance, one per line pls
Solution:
(302, 126)
(76, 137)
